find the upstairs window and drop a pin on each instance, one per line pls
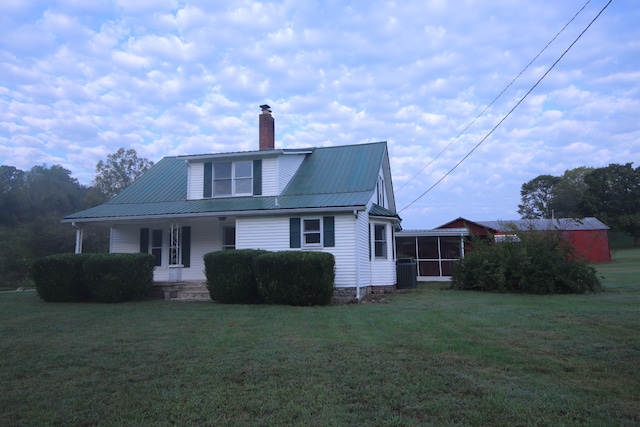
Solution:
(223, 179)
(380, 192)
(242, 178)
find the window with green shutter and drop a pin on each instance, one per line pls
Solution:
(186, 247)
(208, 180)
(239, 178)
(329, 231)
(294, 233)
(312, 232)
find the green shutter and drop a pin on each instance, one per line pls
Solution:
(144, 240)
(186, 247)
(208, 180)
(257, 177)
(329, 232)
(294, 233)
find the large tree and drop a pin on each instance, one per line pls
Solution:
(548, 196)
(118, 171)
(53, 192)
(13, 203)
(613, 195)
(31, 205)
(537, 197)
(568, 192)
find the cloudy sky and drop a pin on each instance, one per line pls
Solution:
(80, 79)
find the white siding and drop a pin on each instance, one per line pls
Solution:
(124, 239)
(383, 271)
(345, 251)
(270, 177)
(362, 249)
(288, 166)
(272, 234)
(196, 181)
(267, 232)
(206, 236)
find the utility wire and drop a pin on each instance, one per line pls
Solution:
(496, 98)
(512, 109)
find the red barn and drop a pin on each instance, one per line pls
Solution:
(589, 236)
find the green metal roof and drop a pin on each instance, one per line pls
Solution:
(377, 210)
(342, 169)
(165, 181)
(331, 177)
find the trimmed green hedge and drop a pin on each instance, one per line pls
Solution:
(118, 277)
(60, 278)
(93, 277)
(296, 278)
(231, 278)
(536, 263)
(256, 276)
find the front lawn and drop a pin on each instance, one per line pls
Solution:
(425, 356)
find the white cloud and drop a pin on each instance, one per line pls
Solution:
(78, 80)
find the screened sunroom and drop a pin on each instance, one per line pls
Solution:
(435, 251)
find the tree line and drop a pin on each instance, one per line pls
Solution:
(33, 202)
(611, 194)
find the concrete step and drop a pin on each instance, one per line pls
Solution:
(192, 292)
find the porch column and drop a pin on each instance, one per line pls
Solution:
(78, 238)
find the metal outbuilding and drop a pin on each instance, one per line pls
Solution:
(589, 236)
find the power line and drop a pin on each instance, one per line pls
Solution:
(496, 98)
(512, 109)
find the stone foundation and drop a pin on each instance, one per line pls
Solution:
(171, 290)
(348, 295)
(377, 290)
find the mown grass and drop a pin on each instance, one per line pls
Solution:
(427, 356)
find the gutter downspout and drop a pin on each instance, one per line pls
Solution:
(355, 213)
(78, 238)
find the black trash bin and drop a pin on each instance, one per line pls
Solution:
(407, 273)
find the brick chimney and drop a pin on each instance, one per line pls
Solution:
(267, 132)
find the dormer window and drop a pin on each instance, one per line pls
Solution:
(380, 192)
(224, 179)
(242, 178)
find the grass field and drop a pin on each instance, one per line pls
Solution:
(424, 357)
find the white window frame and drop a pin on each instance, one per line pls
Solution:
(216, 165)
(242, 178)
(233, 179)
(304, 233)
(383, 242)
